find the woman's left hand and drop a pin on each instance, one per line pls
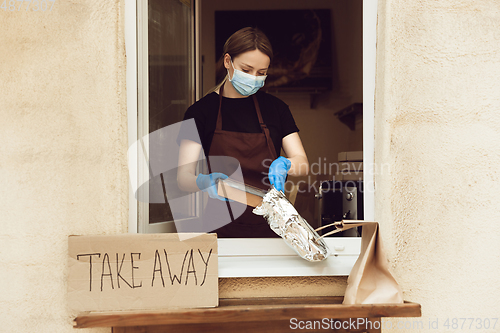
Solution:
(278, 172)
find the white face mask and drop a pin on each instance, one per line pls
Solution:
(244, 83)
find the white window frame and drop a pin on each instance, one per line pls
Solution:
(249, 257)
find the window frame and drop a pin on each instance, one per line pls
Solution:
(256, 257)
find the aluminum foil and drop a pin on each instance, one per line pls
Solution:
(289, 225)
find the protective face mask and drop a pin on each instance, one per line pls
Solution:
(244, 83)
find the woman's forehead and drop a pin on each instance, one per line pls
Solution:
(254, 58)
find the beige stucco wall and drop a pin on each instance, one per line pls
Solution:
(437, 123)
(63, 165)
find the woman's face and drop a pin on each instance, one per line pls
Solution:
(252, 62)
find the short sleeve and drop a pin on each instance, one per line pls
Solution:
(288, 125)
(186, 131)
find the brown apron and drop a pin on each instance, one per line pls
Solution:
(250, 149)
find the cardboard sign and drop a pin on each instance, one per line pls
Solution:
(142, 272)
(240, 192)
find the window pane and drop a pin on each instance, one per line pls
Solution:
(170, 73)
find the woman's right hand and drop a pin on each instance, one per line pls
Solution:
(206, 183)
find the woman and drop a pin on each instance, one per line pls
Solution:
(237, 120)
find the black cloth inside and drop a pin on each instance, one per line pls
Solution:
(239, 115)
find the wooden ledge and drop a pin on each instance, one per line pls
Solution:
(250, 310)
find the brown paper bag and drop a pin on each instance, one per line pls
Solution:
(370, 281)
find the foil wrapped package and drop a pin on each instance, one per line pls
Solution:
(285, 221)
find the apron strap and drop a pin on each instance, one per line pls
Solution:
(263, 126)
(218, 126)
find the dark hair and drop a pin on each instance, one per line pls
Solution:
(243, 40)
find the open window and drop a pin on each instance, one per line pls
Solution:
(170, 51)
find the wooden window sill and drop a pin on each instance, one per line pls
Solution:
(247, 315)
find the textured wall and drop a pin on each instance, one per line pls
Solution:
(63, 155)
(282, 286)
(437, 123)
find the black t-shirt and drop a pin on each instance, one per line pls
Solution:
(239, 115)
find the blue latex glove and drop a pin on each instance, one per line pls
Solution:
(278, 171)
(206, 183)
